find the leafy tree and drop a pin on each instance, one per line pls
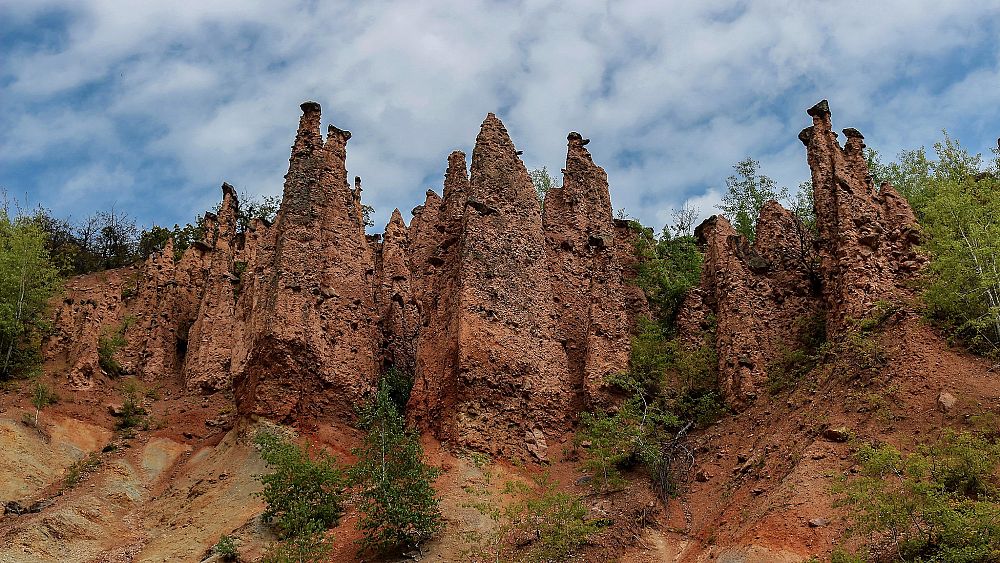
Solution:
(542, 181)
(154, 240)
(398, 505)
(41, 398)
(117, 239)
(305, 492)
(748, 191)
(956, 202)
(28, 278)
(251, 208)
(669, 266)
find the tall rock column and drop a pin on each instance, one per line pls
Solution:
(761, 295)
(586, 277)
(866, 234)
(435, 261)
(505, 390)
(315, 343)
(397, 307)
(212, 336)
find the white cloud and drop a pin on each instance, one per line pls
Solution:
(210, 90)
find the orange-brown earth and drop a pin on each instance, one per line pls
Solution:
(510, 315)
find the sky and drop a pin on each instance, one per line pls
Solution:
(148, 107)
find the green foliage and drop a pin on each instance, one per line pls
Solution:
(748, 191)
(108, 344)
(310, 545)
(28, 278)
(305, 492)
(132, 413)
(225, 548)
(957, 202)
(366, 215)
(799, 359)
(555, 522)
(264, 208)
(637, 432)
(542, 181)
(41, 398)
(80, 468)
(669, 266)
(534, 522)
(941, 503)
(398, 385)
(397, 502)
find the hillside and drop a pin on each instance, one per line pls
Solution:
(511, 318)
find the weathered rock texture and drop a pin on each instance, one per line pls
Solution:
(866, 232)
(313, 336)
(508, 321)
(758, 295)
(767, 297)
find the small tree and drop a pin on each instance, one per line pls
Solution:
(305, 491)
(543, 182)
(27, 279)
(748, 191)
(132, 411)
(397, 502)
(42, 397)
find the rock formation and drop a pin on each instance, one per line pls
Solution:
(211, 336)
(313, 336)
(586, 276)
(765, 296)
(866, 233)
(758, 295)
(508, 321)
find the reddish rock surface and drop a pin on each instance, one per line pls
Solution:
(585, 273)
(758, 295)
(522, 317)
(866, 233)
(212, 335)
(508, 322)
(314, 342)
(765, 296)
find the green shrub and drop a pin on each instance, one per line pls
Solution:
(80, 468)
(132, 413)
(109, 343)
(304, 491)
(536, 523)
(938, 504)
(795, 362)
(310, 545)
(552, 522)
(637, 432)
(398, 505)
(225, 548)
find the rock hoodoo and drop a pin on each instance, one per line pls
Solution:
(508, 312)
(866, 233)
(508, 319)
(767, 296)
